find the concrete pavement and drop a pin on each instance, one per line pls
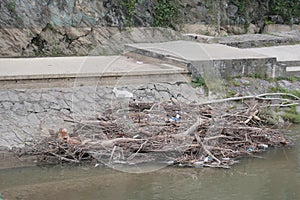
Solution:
(211, 61)
(60, 69)
(194, 51)
(282, 53)
(288, 57)
(229, 61)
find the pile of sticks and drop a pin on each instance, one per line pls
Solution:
(173, 133)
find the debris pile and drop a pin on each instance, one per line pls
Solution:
(169, 132)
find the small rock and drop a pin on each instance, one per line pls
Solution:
(277, 19)
(7, 105)
(232, 10)
(32, 118)
(29, 106)
(4, 96)
(13, 96)
(298, 109)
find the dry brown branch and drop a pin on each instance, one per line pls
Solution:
(132, 156)
(112, 142)
(64, 159)
(259, 97)
(112, 154)
(108, 139)
(205, 149)
(251, 117)
(217, 137)
(190, 131)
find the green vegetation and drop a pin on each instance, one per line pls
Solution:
(286, 9)
(198, 82)
(272, 117)
(242, 11)
(50, 27)
(291, 79)
(267, 22)
(292, 115)
(236, 83)
(230, 93)
(129, 7)
(284, 90)
(258, 76)
(167, 13)
(11, 7)
(242, 5)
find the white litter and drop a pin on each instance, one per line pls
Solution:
(122, 93)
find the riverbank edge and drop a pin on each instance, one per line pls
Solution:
(231, 88)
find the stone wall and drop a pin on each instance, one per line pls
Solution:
(76, 27)
(27, 114)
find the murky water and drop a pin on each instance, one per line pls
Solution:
(276, 175)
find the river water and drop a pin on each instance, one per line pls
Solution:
(275, 175)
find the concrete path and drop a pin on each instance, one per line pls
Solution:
(58, 71)
(230, 61)
(282, 53)
(194, 51)
(287, 56)
(211, 61)
(22, 69)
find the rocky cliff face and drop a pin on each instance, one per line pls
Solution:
(77, 27)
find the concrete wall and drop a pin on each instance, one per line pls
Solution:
(270, 28)
(266, 68)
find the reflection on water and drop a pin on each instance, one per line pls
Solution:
(275, 176)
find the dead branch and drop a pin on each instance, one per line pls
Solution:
(205, 149)
(190, 131)
(258, 97)
(178, 133)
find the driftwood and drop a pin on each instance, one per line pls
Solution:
(187, 135)
(266, 97)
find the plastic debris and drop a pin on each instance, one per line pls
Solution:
(181, 165)
(175, 119)
(169, 103)
(171, 162)
(137, 137)
(139, 62)
(250, 149)
(208, 159)
(263, 146)
(122, 93)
